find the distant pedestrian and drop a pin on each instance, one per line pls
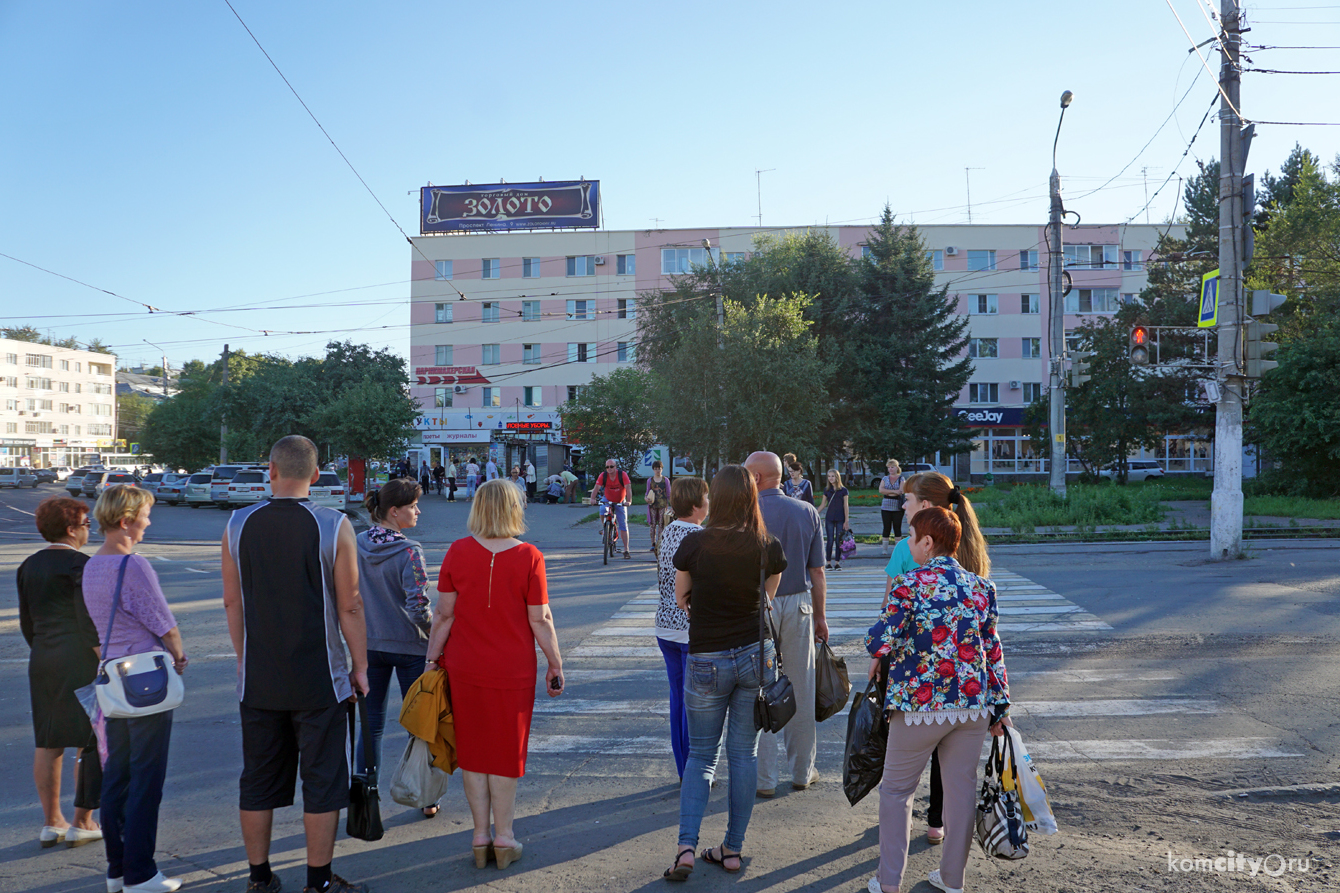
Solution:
(290, 590)
(531, 480)
(519, 479)
(569, 485)
(657, 499)
(471, 478)
(451, 480)
(689, 498)
(64, 657)
(425, 477)
(493, 612)
(836, 506)
(439, 477)
(553, 492)
(947, 686)
(490, 470)
(891, 506)
(796, 486)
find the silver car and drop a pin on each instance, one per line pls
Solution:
(98, 481)
(15, 476)
(329, 491)
(196, 490)
(74, 482)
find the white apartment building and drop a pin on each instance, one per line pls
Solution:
(55, 403)
(507, 326)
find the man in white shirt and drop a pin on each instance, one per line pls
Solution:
(529, 469)
(490, 470)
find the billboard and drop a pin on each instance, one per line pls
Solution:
(448, 375)
(507, 206)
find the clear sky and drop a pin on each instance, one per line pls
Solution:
(148, 148)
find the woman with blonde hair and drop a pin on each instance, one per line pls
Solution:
(493, 611)
(837, 518)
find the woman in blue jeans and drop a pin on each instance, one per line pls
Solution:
(716, 582)
(836, 506)
(394, 584)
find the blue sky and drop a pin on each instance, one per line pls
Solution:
(150, 149)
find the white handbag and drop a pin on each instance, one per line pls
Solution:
(138, 684)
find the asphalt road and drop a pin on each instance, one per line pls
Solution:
(1151, 687)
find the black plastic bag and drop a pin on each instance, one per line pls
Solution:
(867, 739)
(832, 685)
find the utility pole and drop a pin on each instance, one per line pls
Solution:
(165, 377)
(1226, 500)
(223, 424)
(721, 340)
(1056, 323)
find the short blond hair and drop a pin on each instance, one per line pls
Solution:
(120, 502)
(294, 458)
(496, 511)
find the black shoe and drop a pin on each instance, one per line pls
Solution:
(271, 886)
(338, 885)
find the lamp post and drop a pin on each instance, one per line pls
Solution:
(1056, 320)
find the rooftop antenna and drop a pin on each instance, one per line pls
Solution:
(968, 179)
(758, 178)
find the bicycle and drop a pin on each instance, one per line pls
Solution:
(609, 534)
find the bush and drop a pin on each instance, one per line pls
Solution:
(1025, 508)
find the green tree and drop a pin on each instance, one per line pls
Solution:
(96, 345)
(24, 333)
(183, 432)
(367, 419)
(1295, 415)
(132, 410)
(1276, 194)
(612, 417)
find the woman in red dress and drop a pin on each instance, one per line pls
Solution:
(493, 611)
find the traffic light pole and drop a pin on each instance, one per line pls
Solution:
(1226, 501)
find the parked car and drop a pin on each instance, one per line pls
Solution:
(74, 481)
(170, 487)
(196, 489)
(62, 471)
(247, 486)
(329, 491)
(15, 476)
(1136, 470)
(98, 481)
(218, 482)
(45, 475)
(151, 481)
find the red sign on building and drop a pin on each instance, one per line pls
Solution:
(448, 375)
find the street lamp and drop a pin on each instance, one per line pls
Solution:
(1056, 320)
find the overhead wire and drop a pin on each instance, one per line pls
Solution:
(1173, 172)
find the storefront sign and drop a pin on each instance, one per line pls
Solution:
(529, 426)
(455, 436)
(508, 206)
(993, 417)
(448, 375)
(492, 418)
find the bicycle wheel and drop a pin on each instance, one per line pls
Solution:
(607, 548)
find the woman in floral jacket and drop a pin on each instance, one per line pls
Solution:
(947, 686)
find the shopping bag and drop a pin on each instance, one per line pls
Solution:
(417, 782)
(867, 738)
(1022, 776)
(847, 547)
(88, 699)
(832, 685)
(1000, 826)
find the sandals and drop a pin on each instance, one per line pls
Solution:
(708, 857)
(679, 871)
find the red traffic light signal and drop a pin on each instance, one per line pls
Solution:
(1139, 349)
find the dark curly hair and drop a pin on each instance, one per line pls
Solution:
(55, 517)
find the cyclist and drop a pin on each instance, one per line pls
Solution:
(617, 490)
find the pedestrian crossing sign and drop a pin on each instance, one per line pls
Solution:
(1209, 300)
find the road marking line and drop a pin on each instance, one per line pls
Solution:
(1159, 749)
(196, 570)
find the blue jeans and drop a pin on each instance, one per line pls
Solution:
(381, 664)
(834, 531)
(720, 689)
(471, 481)
(132, 789)
(676, 656)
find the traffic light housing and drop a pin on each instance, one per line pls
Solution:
(1248, 215)
(1139, 349)
(1079, 367)
(1257, 350)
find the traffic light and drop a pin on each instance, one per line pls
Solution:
(1139, 352)
(1079, 367)
(1258, 351)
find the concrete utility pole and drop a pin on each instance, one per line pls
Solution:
(721, 338)
(223, 425)
(1056, 322)
(1226, 500)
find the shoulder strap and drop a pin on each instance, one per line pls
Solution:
(116, 603)
(763, 615)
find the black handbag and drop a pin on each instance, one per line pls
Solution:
(365, 814)
(776, 702)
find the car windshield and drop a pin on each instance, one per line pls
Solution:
(247, 477)
(200, 478)
(226, 472)
(328, 480)
(120, 478)
(152, 477)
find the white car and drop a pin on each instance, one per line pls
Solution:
(74, 481)
(1136, 470)
(62, 472)
(247, 486)
(218, 484)
(15, 476)
(196, 489)
(329, 491)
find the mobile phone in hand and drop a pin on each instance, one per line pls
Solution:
(556, 683)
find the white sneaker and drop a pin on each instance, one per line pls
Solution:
(156, 884)
(938, 884)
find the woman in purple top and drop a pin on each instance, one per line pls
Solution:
(137, 748)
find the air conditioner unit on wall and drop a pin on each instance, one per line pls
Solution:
(1014, 386)
(600, 260)
(459, 389)
(951, 251)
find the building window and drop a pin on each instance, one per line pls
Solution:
(680, 260)
(1132, 260)
(984, 393)
(530, 353)
(31, 404)
(442, 398)
(582, 265)
(865, 252)
(102, 409)
(11, 381)
(1028, 260)
(981, 260)
(77, 366)
(627, 352)
(734, 257)
(491, 268)
(39, 384)
(64, 429)
(12, 405)
(12, 359)
(65, 365)
(575, 392)
(492, 354)
(11, 427)
(530, 268)
(96, 430)
(530, 311)
(99, 389)
(442, 269)
(40, 360)
(981, 305)
(63, 386)
(1032, 391)
(581, 353)
(1090, 257)
(627, 308)
(46, 404)
(937, 259)
(490, 311)
(37, 428)
(626, 264)
(1091, 300)
(984, 348)
(492, 396)
(1128, 297)
(581, 309)
(531, 396)
(1032, 348)
(442, 355)
(78, 388)
(441, 313)
(1028, 303)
